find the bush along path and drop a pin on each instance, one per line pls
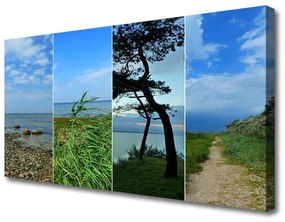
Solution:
(221, 183)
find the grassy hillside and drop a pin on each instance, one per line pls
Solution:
(261, 125)
(251, 141)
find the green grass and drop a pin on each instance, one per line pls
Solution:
(250, 151)
(197, 150)
(146, 177)
(83, 152)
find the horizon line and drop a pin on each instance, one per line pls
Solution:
(104, 100)
(29, 113)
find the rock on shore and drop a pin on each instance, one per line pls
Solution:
(37, 132)
(26, 131)
(25, 162)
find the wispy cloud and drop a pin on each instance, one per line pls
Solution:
(91, 75)
(48, 79)
(237, 22)
(40, 71)
(197, 49)
(31, 95)
(221, 92)
(253, 42)
(96, 81)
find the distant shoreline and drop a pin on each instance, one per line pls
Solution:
(28, 113)
(99, 101)
(122, 131)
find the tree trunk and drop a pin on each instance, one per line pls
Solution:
(141, 84)
(143, 143)
(148, 120)
(171, 159)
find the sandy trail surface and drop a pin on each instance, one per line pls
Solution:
(224, 184)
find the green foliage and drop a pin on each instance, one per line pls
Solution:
(197, 150)
(269, 112)
(83, 152)
(146, 177)
(256, 153)
(80, 105)
(150, 151)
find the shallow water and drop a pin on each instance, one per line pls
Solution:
(41, 122)
(123, 141)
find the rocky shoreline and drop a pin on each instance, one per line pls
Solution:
(25, 162)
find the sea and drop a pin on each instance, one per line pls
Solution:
(98, 108)
(123, 141)
(40, 121)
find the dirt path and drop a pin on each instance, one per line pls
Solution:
(228, 185)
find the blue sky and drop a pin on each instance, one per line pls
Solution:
(28, 74)
(225, 67)
(82, 62)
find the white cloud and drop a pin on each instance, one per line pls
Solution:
(92, 75)
(27, 60)
(233, 20)
(219, 92)
(23, 48)
(42, 60)
(259, 20)
(9, 86)
(197, 49)
(48, 79)
(22, 78)
(40, 71)
(252, 33)
(14, 73)
(33, 79)
(48, 37)
(253, 42)
(27, 51)
(237, 22)
(9, 67)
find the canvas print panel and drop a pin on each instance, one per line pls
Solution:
(148, 108)
(229, 151)
(104, 108)
(82, 109)
(28, 108)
